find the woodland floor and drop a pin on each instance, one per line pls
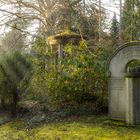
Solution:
(92, 127)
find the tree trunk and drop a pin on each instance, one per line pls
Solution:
(3, 103)
(14, 104)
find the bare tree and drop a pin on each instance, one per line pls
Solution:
(49, 17)
(39, 11)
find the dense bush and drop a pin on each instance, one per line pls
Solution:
(76, 79)
(14, 69)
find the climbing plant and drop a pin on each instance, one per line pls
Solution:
(76, 78)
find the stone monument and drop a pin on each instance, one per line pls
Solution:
(124, 85)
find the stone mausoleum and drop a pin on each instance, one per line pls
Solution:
(124, 84)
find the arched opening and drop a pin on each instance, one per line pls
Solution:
(132, 91)
(133, 65)
(121, 86)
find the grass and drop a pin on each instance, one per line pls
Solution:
(74, 128)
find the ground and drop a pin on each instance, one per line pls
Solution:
(93, 127)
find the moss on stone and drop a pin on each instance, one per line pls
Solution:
(65, 38)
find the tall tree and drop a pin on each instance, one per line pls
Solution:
(131, 20)
(14, 72)
(54, 16)
(37, 11)
(114, 31)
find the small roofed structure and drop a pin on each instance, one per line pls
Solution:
(58, 41)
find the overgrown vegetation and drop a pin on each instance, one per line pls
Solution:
(59, 69)
(76, 78)
(14, 69)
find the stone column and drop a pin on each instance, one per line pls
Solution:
(130, 116)
(132, 89)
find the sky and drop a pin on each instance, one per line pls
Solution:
(111, 6)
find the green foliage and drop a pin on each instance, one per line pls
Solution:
(114, 31)
(131, 20)
(39, 60)
(77, 78)
(14, 68)
(132, 64)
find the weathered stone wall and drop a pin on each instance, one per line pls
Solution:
(117, 98)
(116, 73)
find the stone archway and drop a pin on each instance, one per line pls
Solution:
(116, 78)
